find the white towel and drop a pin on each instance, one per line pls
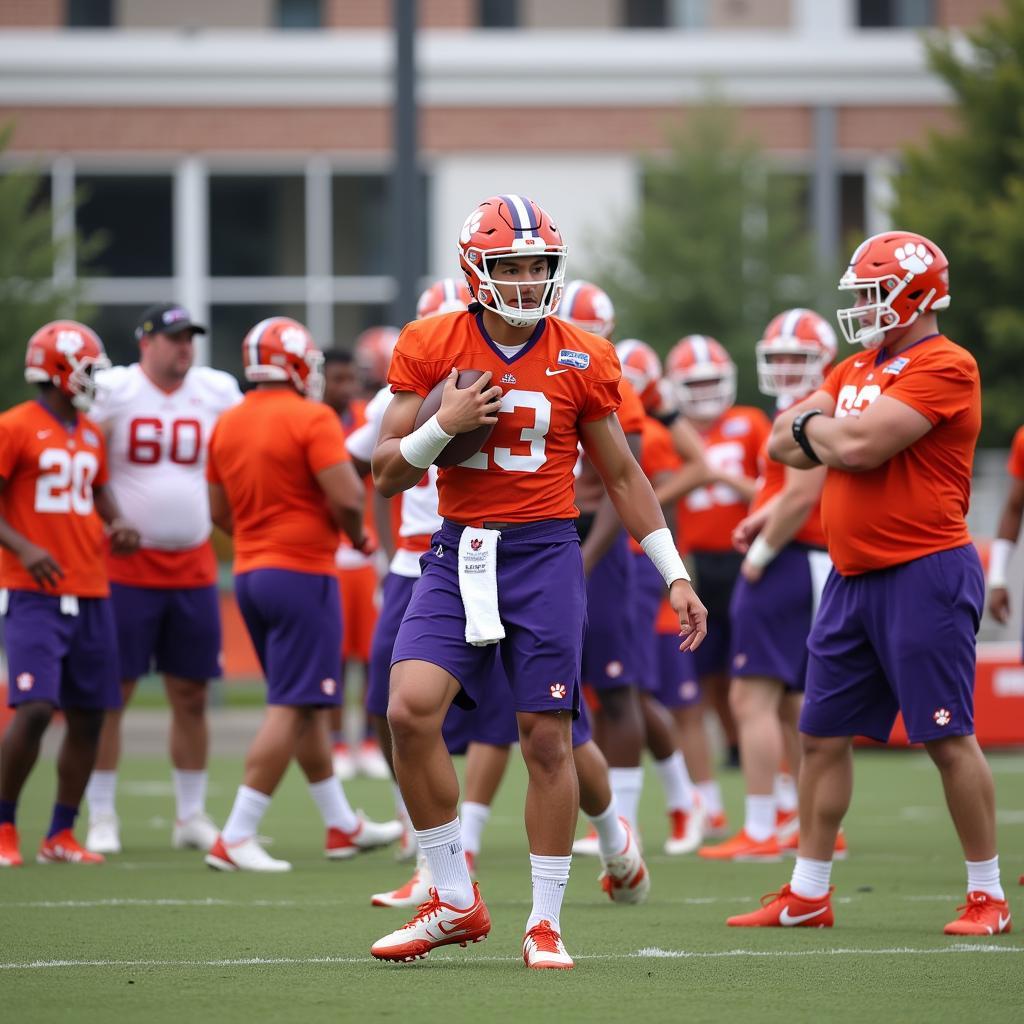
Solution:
(478, 585)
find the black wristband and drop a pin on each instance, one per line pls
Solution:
(801, 438)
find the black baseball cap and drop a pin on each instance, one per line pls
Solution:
(167, 318)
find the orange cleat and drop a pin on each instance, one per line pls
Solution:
(786, 823)
(10, 855)
(791, 844)
(982, 915)
(718, 826)
(412, 894)
(543, 949)
(742, 848)
(63, 848)
(434, 924)
(588, 846)
(784, 909)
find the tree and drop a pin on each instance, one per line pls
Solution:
(718, 246)
(965, 190)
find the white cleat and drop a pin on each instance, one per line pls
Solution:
(104, 834)
(588, 846)
(407, 847)
(195, 833)
(625, 877)
(368, 836)
(412, 894)
(343, 763)
(248, 855)
(543, 949)
(370, 762)
(688, 828)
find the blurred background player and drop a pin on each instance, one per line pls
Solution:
(1007, 533)
(703, 378)
(784, 567)
(372, 352)
(282, 484)
(157, 416)
(58, 623)
(896, 425)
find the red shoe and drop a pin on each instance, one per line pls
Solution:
(10, 855)
(718, 826)
(784, 909)
(63, 848)
(791, 844)
(742, 848)
(786, 823)
(435, 924)
(543, 949)
(982, 915)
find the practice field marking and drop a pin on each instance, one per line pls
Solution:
(651, 952)
(92, 904)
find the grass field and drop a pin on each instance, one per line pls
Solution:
(156, 936)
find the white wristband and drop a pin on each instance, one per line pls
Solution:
(424, 444)
(761, 553)
(999, 560)
(660, 548)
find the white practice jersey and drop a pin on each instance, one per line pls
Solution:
(419, 503)
(157, 445)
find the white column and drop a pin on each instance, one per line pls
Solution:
(319, 251)
(823, 18)
(191, 246)
(62, 198)
(878, 194)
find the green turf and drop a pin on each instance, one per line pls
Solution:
(899, 887)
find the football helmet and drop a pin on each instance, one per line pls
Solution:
(703, 376)
(444, 296)
(588, 307)
(895, 277)
(509, 226)
(66, 354)
(642, 368)
(795, 353)
(372, 352)
(282, 349)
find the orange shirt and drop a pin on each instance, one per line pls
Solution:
(266, 453)
(657, 455)
(563, 377)
(914, 504)
(631, 412)
(708, 515)
(1016, 462)
(50, 469)
(771, 480)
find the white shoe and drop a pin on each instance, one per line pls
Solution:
(370, 762)
(248, 855)
(195, 833)
(343, 763)
(588, 846)
(543, 948)
(407, 847)
(368, 836)
(412, 894)
(688, 828)
(434, 924)
(625, 877)
(104, 834)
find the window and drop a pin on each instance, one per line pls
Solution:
(89, 14)
(229, 324)
(116, 327)
(852, 212)
(645, 13)
(299, 14)
(895, 13)
(257, 226)
(499, 13)
(130, 216)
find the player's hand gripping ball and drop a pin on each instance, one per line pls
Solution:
(462, 445)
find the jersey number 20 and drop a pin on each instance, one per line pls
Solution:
(65, 481)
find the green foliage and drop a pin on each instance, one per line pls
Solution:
(718, 247)
(965, 190)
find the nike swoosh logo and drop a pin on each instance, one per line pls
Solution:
(551, 373)
(43, 433)
(855, 363)
(1003, 922)
(455, 927)
(787, 920)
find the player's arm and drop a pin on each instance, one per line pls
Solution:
(750, 526)
(404, 451)
(606, 525)
(1002, 552)
(382, 520)
(695, 471)
(788, 513)
(634, 499)
(220, 508)
(124, 538)
(782, 446)
(345, 495)
(38, 562)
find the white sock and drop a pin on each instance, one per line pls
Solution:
(785, 792)
(100, 793)
(811, 878)
(246, 814)
(400, 809)
(333, 806)
(712, 794)
(189, 793)
(676, 782)
(760, 818)
(983, 876)
(474, 818)
(442, 848)
(550, 877)
(626, 785)
(611, 836)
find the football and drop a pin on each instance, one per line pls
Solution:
(462, 446)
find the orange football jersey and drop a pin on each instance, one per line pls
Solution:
(1016, 461)
(771, 480)
(49, 470)
(266, 453)
(915, 503)
(708, 515)
(354, 418)
(561, 378)
(657, 455)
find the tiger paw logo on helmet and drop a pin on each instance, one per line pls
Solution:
(915, 258)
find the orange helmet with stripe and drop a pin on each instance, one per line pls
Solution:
(444, 296)
(66, 354)
(795, 353)
(642, 368)
(282, 349)
(588, 307)
(372, 351)
(703, 376)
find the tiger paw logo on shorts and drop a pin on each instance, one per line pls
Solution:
(25, 681)
(558, 690)
(613, 669)
(329, 686)
(943, 716)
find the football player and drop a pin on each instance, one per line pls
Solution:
(282, 484)
(1007, 534)
(508, 531)
(157, 416)
(896, 426)
(59, 629)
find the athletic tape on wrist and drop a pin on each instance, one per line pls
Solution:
(999, 561)
(424, 444)
(660, 548)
